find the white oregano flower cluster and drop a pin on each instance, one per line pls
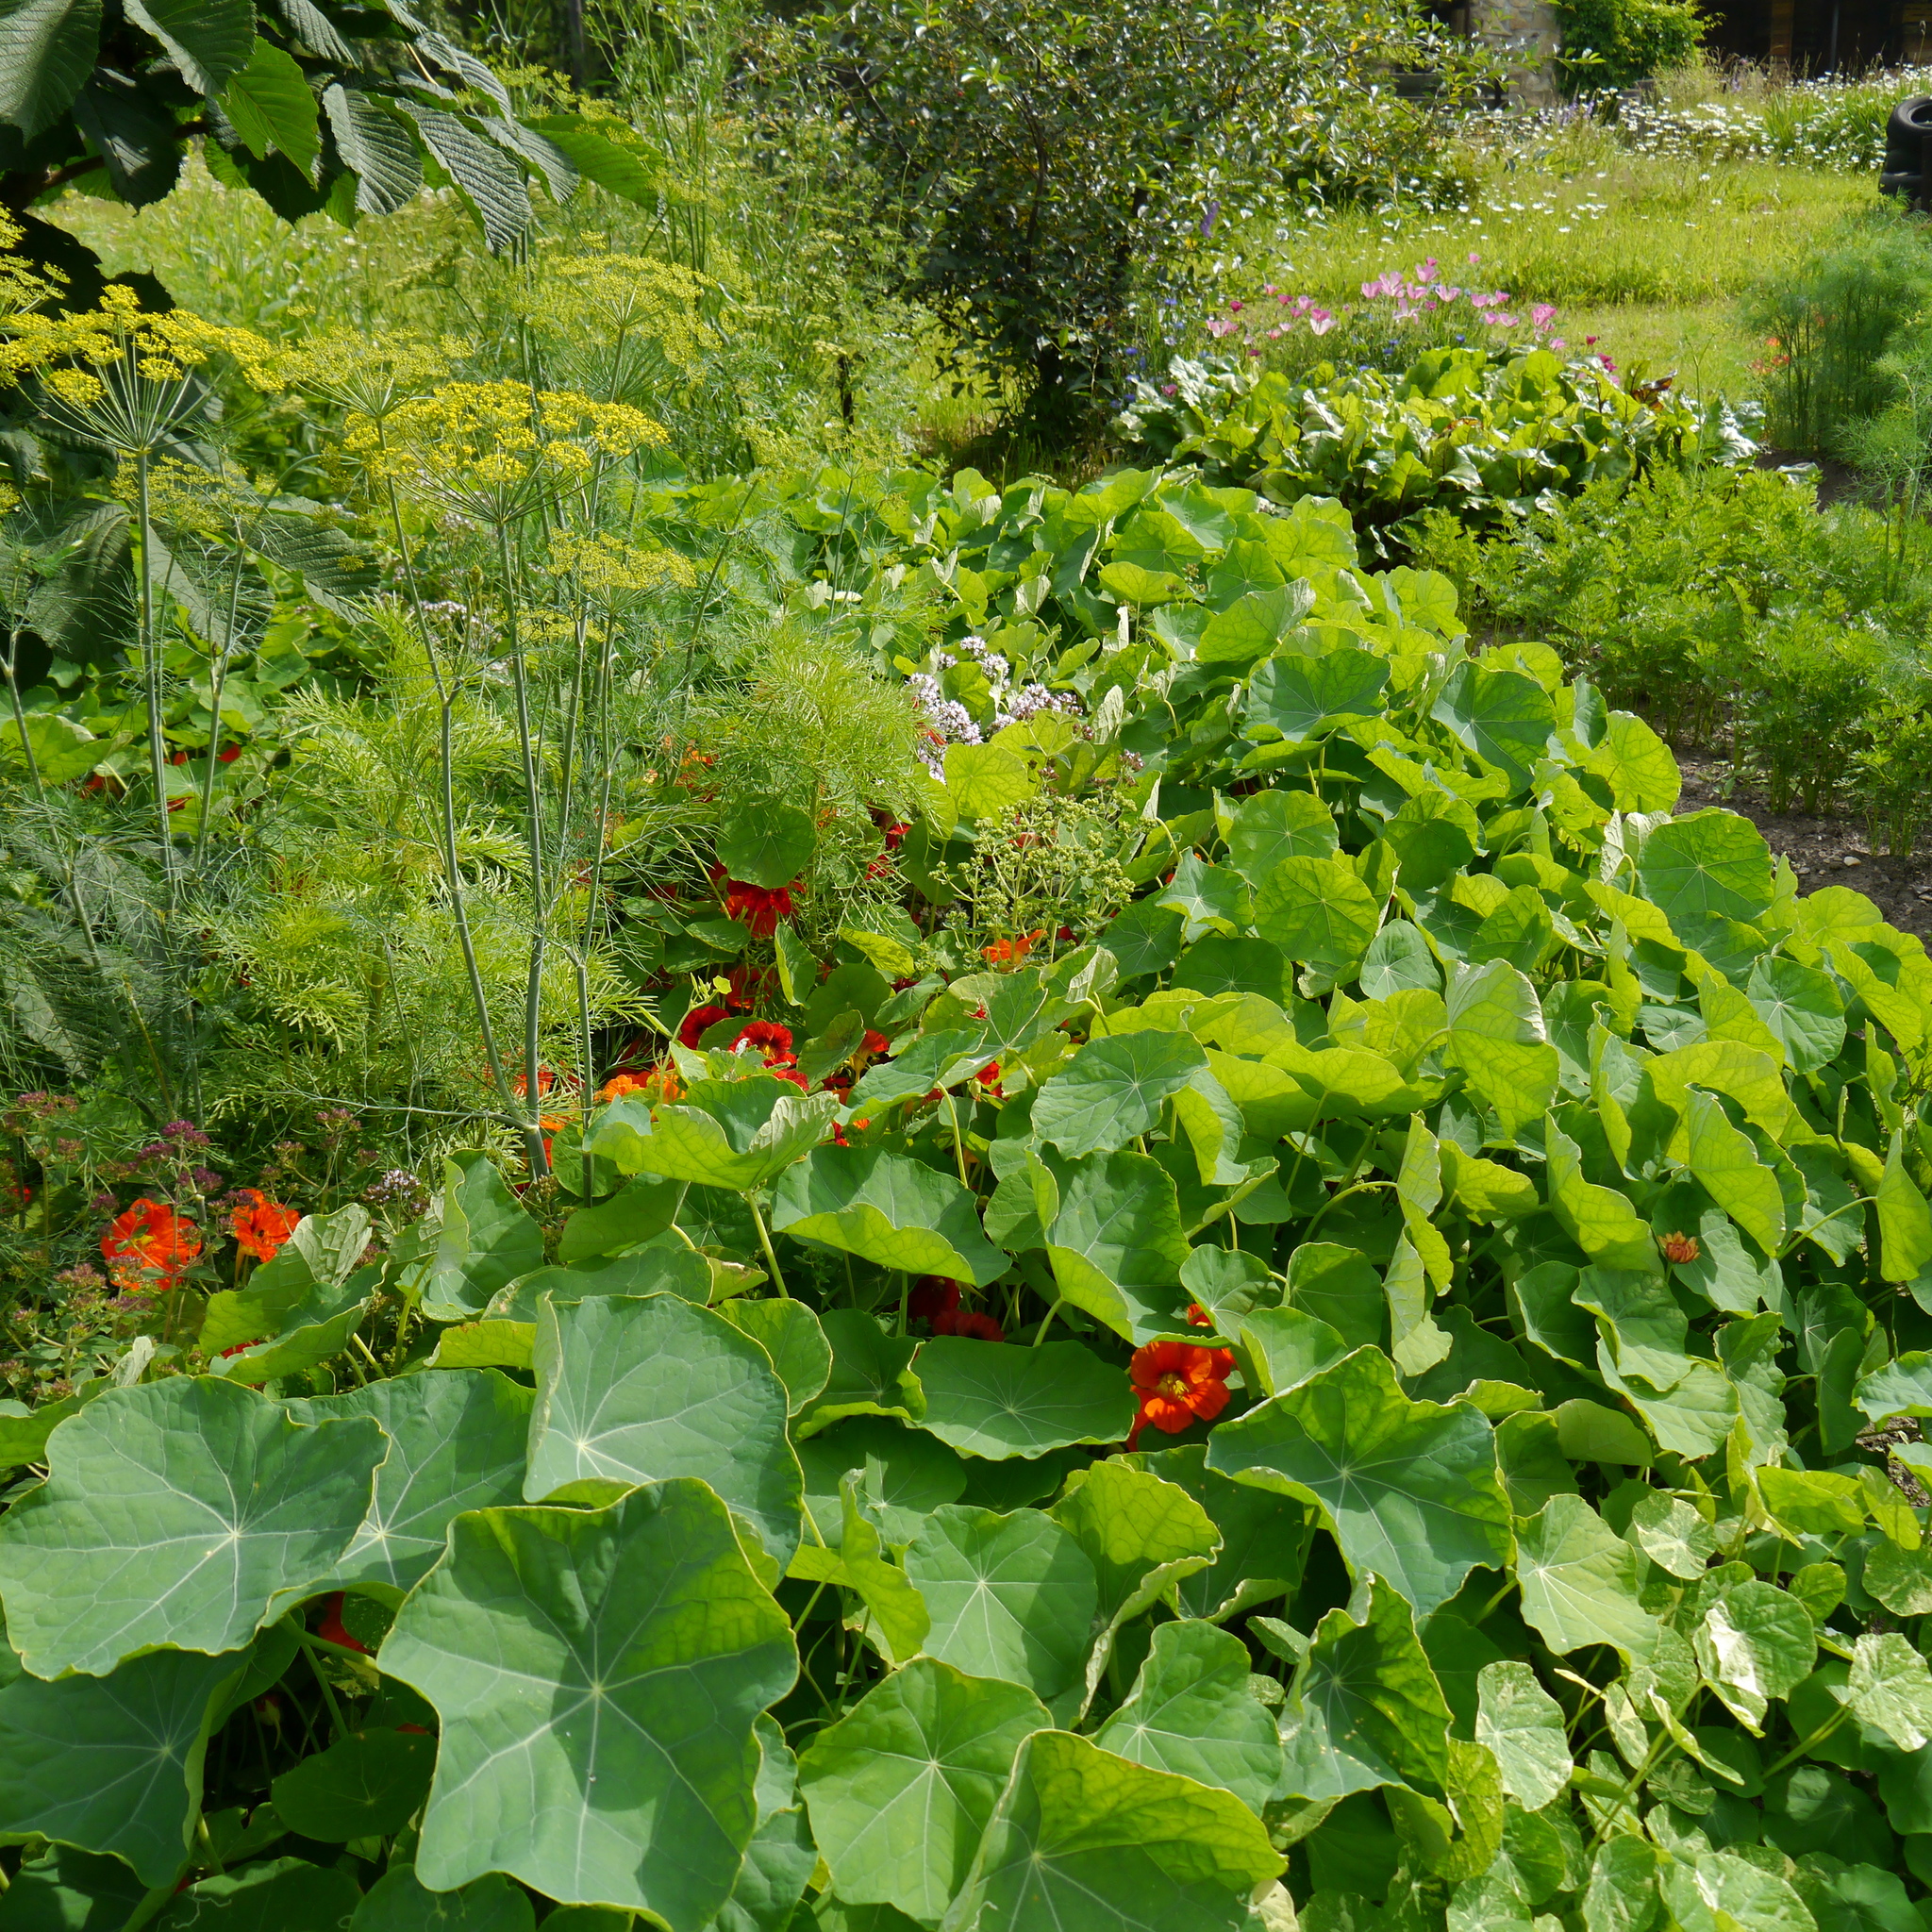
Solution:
(951, 722)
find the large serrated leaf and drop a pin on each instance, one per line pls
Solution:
(47, 51)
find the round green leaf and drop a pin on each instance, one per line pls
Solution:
(1297, 696)
(889, 1210)
(1410, 1489)
(1318, 912)
(904, 1474)
(1273, 825)
(767, 842)
(1579, 1580)
(1712, 864)
(1757, 1643)
(1009, 1596)
(113, 1764)
(283, 1895)
(456, 1443)
(900, 1789)
(399, 1902)
(733, 1134)
(1118, 1234)
(1642, 774)
(1365, 1709)
(597, 1675)
(637, 1389)
(1398, 959)
(1190, 1712)
(1087, 1842)
(789, 1333)
(988, 1400)
(1803, 1006)
(1522, 1726)
(1503, 717)
(365, 1785)
(185, 1512)
(1114, 1090)
(1890, 1689)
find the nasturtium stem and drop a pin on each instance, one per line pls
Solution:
(757, 1221)
(1046, 1323)
(328, 1695)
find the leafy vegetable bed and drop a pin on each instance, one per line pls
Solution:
(1492, 1209)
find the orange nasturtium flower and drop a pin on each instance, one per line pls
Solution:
(263, 1226)
(1178, 1384)
(1681, 1248)
(150, 1239)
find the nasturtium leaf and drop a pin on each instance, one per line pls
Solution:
(302, 1347)
(1672, 1535)
(1803, 1006)
(368, 1784)
(1522, 1726)
(1711, 864)
(597, 1674)
(1137, 1529)
(1118, 1234)
(871, 1373)
(306, 1271)
(281, 1895)
(1890, 1691)
(781, 1858)
(789, 1333)
(903, 1474)
(886, 1209)
(1318, 912)
(635, 1390)
(1365, 1709)
(1409, 1489)
(484, 1238)
(1900, 1387)
(1498, 1039)
(1579, 1581)
(1114, 1090)
(1084, 1838)
(901, 1789)
(986, 1399)
(1728, 1168)
(767, 843)
(399, 1902)
(1755, 1643)
(1601, 1221)
(1503, 717)
(1397, 960)
(1272, 826)
(185, 1512)
(1010, 1596)
(1721, 1890)
(1621, 1894)
(1280, 1348)
(1295, 696)
(897, 1614)
(1190, 1712)
(456, 1443)
(1905, 1221)
(115, 1764)
(732, 1133)
(1642, 774)
(1264, 1537)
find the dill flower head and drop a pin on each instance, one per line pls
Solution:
(606, 569)
(487, 450)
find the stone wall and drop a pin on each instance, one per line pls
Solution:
(1526, 35)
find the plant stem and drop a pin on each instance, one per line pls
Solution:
(765, 1242)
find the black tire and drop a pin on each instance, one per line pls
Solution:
(1905, 135)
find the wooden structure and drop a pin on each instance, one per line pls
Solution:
(1811, 37)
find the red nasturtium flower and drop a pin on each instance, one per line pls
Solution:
(262, 1228)
(759, 907)
(1681, 1248)
(969, 1323)
(932, 1296)
(772, 1041)
(1011, 951)
(1178, 1384)
(150, 1236)
(696, 1023)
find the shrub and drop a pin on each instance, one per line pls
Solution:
(1044, 162)
(1613, 44)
